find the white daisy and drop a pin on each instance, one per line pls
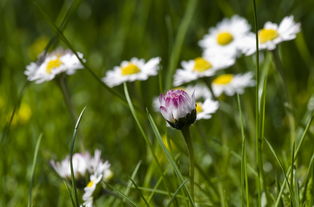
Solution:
(52, 64)
(83, 164)
(231, 84)
(80, 163)
(135, 69)
(204, 110)
(90, 189)
(271, 35)
(200, 67)
(224, 39)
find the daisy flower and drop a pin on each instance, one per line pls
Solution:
(224, 39)
(132, 70)
(200, 67)
(89, 190)
(83, 164)
(204, 110)
(80, 162)
(53, 64)
(231, 84)
(205, 105)
(271, 35)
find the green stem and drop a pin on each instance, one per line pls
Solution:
(187, 137)
(259, 141)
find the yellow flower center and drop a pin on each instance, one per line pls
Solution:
(266, 35)
(199, 107)
(201, 65)
(223, 79)
(130, 69)
(90, 184)
(52, 64)
(224, 38)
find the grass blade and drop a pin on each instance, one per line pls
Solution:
(30, 204)
(71, 156)
(168, 155)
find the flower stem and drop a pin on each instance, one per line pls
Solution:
(187, 137)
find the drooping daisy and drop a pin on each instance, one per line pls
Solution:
(224, 39)
(52, 64)
(271, 35)
(231, 84)
(135, 69)
(90, 189)
(200, 67)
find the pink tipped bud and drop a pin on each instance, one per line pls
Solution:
(178, 108)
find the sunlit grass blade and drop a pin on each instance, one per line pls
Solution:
(181, 33)
(30, 198)
(74, 191)
(307, 198)
(147, 140)
(169, 156)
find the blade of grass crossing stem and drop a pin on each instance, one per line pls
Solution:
(177, 191)
(308, 183)
(140, 192)
(154, 189)
(74, 191)
(69, 45)
(127, 190)
(183, 27)
(244, 178)
(169, 156)
(33, 170)
(122, 196)
(258, 141)
(279, 162)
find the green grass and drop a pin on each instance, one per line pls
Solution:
(254, 147)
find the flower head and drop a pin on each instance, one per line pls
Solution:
(178, 108)
(200, 67)
(206, 108)
(224, 39)
(52, 64)
(83, 165)
(231, 84)
(271, 35)
(135, 69)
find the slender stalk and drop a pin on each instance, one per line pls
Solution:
(62, 83)
(187, 137)
(258, 142)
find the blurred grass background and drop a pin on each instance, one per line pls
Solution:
(107, 32)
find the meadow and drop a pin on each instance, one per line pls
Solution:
(252, 146)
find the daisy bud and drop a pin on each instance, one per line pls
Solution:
(178, 108)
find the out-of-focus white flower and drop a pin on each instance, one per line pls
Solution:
(231, 84)
(54, 63)
(205, 109)
(201, 91)
(80, 163)
(200, 67)
(135, 69)
(83, 164)
(178, 108)
(90, 189)
(271, 35)
(224, 39)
